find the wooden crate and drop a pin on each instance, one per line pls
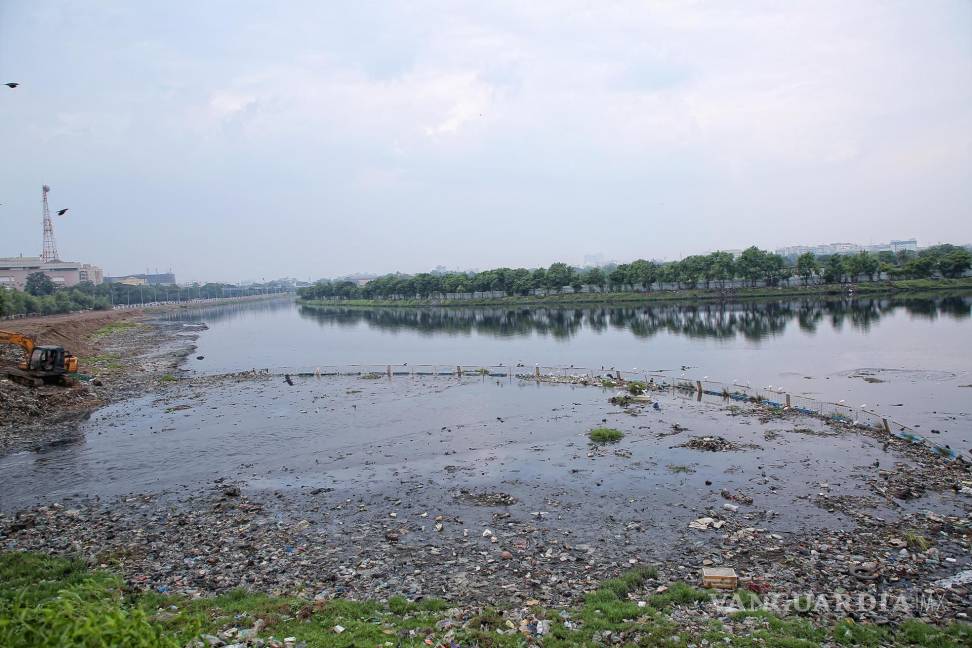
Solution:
(723, 578)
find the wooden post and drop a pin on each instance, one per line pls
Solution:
(388, 370)
(459, 371)
(787, 401)
(887, 427)
(536, 373)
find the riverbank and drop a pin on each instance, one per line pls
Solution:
(632, 610)
(355, 501)
(907, 286)
(121, 354)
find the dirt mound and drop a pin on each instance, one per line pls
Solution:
(71, 330)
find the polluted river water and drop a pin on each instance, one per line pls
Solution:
(908, 358)
(345, 430)
(477, 487)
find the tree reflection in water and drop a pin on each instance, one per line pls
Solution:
(752, 320)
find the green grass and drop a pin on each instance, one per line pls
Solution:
(675, 468)
(102, 361)
(917, 541)
(47, 602)
(166, 378)
(115, 327)
(605, 435)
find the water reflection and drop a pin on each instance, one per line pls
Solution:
(229, 311)
(750, 320)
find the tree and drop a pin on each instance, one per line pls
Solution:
(559, 275)
(39, 284)
(955, 263)
(619, 276)
(720, 267)
(774, 269)
(642, 272)
(595, 277)
(920, 267)
(834, 270)
(538, 278)
(751, 264)
(807, 266)
(691, 269)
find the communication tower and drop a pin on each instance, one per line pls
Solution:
(50, 245)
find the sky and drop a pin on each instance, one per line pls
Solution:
(234, 140)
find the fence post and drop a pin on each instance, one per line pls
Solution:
(536, 372)
(459, 371)
(388, 370)
(787, 401)
(887, 427)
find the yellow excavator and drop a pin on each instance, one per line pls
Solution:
(41, 364)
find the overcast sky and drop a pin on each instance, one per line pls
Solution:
(239, 140)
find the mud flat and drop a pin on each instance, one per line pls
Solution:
(482, 491)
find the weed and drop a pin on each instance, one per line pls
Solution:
(47, 601)
(605, 435)
(115, 327)
(675, 468)
(917, 541)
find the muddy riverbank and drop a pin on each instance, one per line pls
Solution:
(120, 354)
(480, 490)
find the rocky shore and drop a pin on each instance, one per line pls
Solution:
(902, 549)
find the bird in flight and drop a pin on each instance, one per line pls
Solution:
(60, 212)
(11, 85)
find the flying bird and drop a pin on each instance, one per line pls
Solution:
(61, 212)
(11, 85)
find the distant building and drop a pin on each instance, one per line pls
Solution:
(847, 248)
(163, 279)
(14, 272)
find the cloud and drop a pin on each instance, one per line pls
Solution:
(531, 125)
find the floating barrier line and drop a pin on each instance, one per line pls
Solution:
(768, 397)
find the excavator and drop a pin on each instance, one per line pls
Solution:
(42, 364)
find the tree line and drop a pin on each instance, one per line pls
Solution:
(753, 265)
(41, 296)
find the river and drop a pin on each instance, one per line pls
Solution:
(908, 357)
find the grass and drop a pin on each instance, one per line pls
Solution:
(102, 361)
(167, 378)
(675, 468)
(605, 435)
(114, 327)
(48, 601)
(917, 541)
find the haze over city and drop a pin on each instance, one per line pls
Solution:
(240, 140)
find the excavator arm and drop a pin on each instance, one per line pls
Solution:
(25, 342)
